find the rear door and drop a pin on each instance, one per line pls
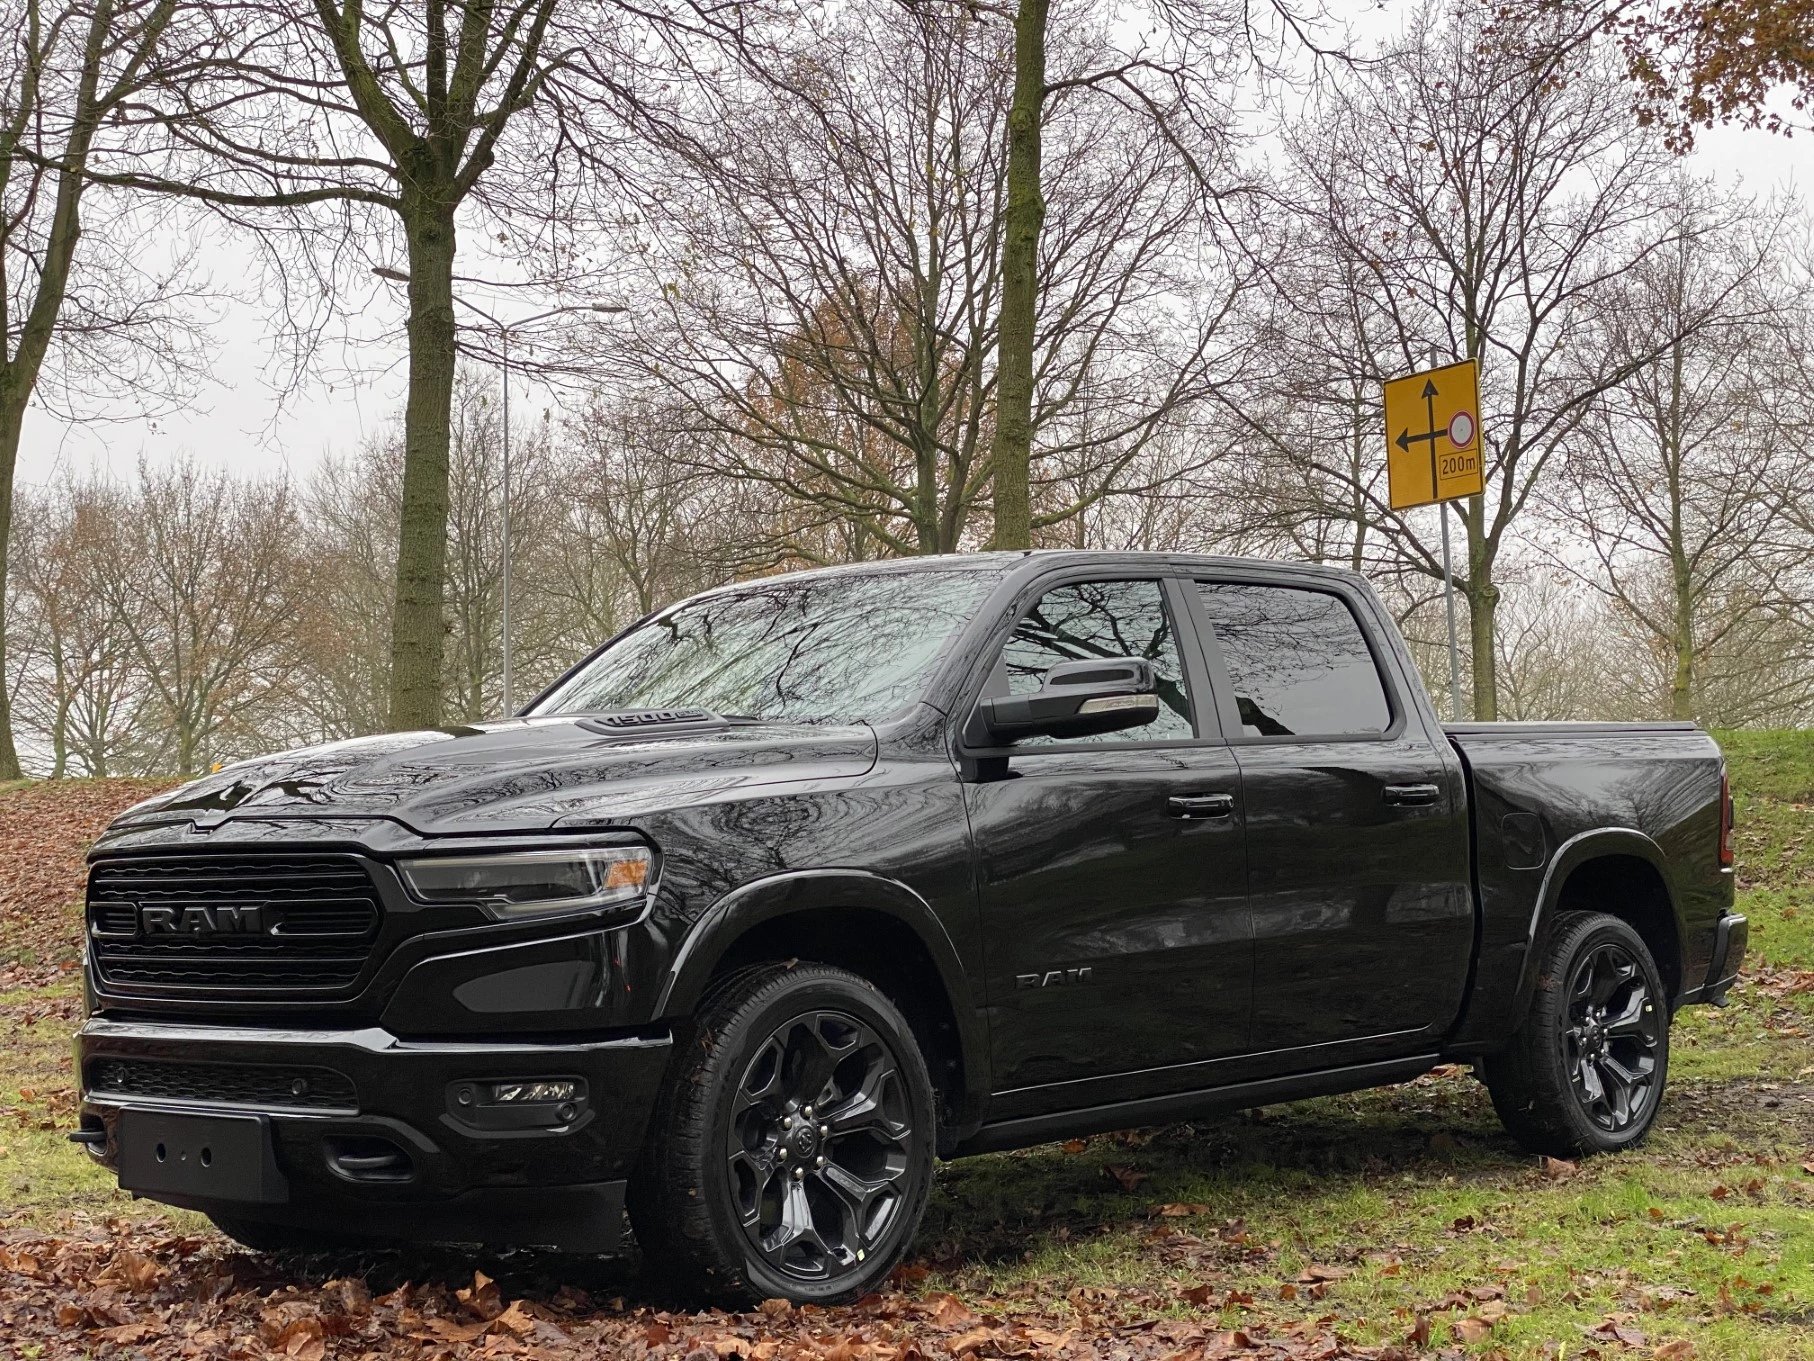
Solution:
(1357, 843)
(1110, 870)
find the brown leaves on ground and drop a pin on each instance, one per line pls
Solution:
(133, 1293)
(45, 831)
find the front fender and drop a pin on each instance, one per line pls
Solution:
(779, 895)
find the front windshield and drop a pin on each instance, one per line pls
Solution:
(841, 647)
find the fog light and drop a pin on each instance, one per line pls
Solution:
(531, 1093)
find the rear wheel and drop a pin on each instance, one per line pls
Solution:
(1585, 1072)
(791, 1154)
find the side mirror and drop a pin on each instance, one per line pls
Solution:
(1077, 699)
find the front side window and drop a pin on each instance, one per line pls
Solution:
(843, 647)
(1297, 660)
(1100, 619)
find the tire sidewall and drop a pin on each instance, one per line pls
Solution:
(814, 989)
(1553, 997)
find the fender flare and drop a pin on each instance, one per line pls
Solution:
(750, 905)
(1595, 844)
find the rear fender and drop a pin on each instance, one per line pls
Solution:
(1598, 844)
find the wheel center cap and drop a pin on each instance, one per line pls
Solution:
(805, 1141)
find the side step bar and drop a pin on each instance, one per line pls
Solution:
(1160, 1110)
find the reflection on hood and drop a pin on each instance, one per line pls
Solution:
(514, 774)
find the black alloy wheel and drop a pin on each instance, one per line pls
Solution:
(1585, 1071)
(819, 1145)
(1615, 1030)
(790, 1153)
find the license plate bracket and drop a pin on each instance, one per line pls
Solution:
(208, 1157)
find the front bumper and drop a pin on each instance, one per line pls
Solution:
(377, 1136)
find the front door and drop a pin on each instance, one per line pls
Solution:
(1357, 842)
(1110, 870)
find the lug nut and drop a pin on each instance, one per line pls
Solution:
(808, 1112)
(787, 1122)
(821, 1161)
(799, 1172)
(824, 1130)
(781, 1153)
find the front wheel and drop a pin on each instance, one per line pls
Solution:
(791, 1153)
(1585, 1072)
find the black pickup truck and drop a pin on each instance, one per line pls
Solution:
(798, 884)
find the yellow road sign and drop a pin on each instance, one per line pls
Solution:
(1433, 435)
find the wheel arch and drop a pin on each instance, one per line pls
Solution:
(1622, 873)
(872, 925)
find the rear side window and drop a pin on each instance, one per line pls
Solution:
(1297, 660)
(1091, 619)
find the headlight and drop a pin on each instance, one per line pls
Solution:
(514, 884)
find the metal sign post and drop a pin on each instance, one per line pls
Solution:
(1433, 455)
(1448, 595)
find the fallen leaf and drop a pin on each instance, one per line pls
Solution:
(1677, 1349)
(1559, 1169)
(951, 1313)
(482, 1298)
(1325, 1273)
(1127, 1178)
(970, 1341)
(1470, 1329)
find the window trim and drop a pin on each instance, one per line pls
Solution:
(1222, 683)
(1175, 597)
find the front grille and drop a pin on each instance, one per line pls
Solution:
(274, 924)
(224, 1084)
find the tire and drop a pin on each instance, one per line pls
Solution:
(1585, 1072)
(739, 1195)
(262, 1236)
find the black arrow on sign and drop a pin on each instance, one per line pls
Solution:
(1406, 439)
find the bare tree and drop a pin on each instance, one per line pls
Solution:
(401, 119)
(1493, 184)
(1177, 76)
(199, 579)
(1677, 480)
(828, 255)
(88, 702)
(85, 308)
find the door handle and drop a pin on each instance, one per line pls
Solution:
(1196, 806)
(1412, 795)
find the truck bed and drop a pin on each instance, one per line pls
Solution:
(1547, 797)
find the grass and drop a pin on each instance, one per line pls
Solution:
(1403, 1216)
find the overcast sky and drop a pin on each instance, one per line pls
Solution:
(238, 418)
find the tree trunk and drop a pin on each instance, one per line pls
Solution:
(1681, 685)
(418, 630)
(12, 421)
(1483, 613)
(1012, 456)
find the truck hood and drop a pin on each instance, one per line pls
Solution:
(523, 774)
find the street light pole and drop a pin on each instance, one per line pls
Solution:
(504, 330)
(504, 346)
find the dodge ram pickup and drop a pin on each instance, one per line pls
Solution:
(796, 885)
